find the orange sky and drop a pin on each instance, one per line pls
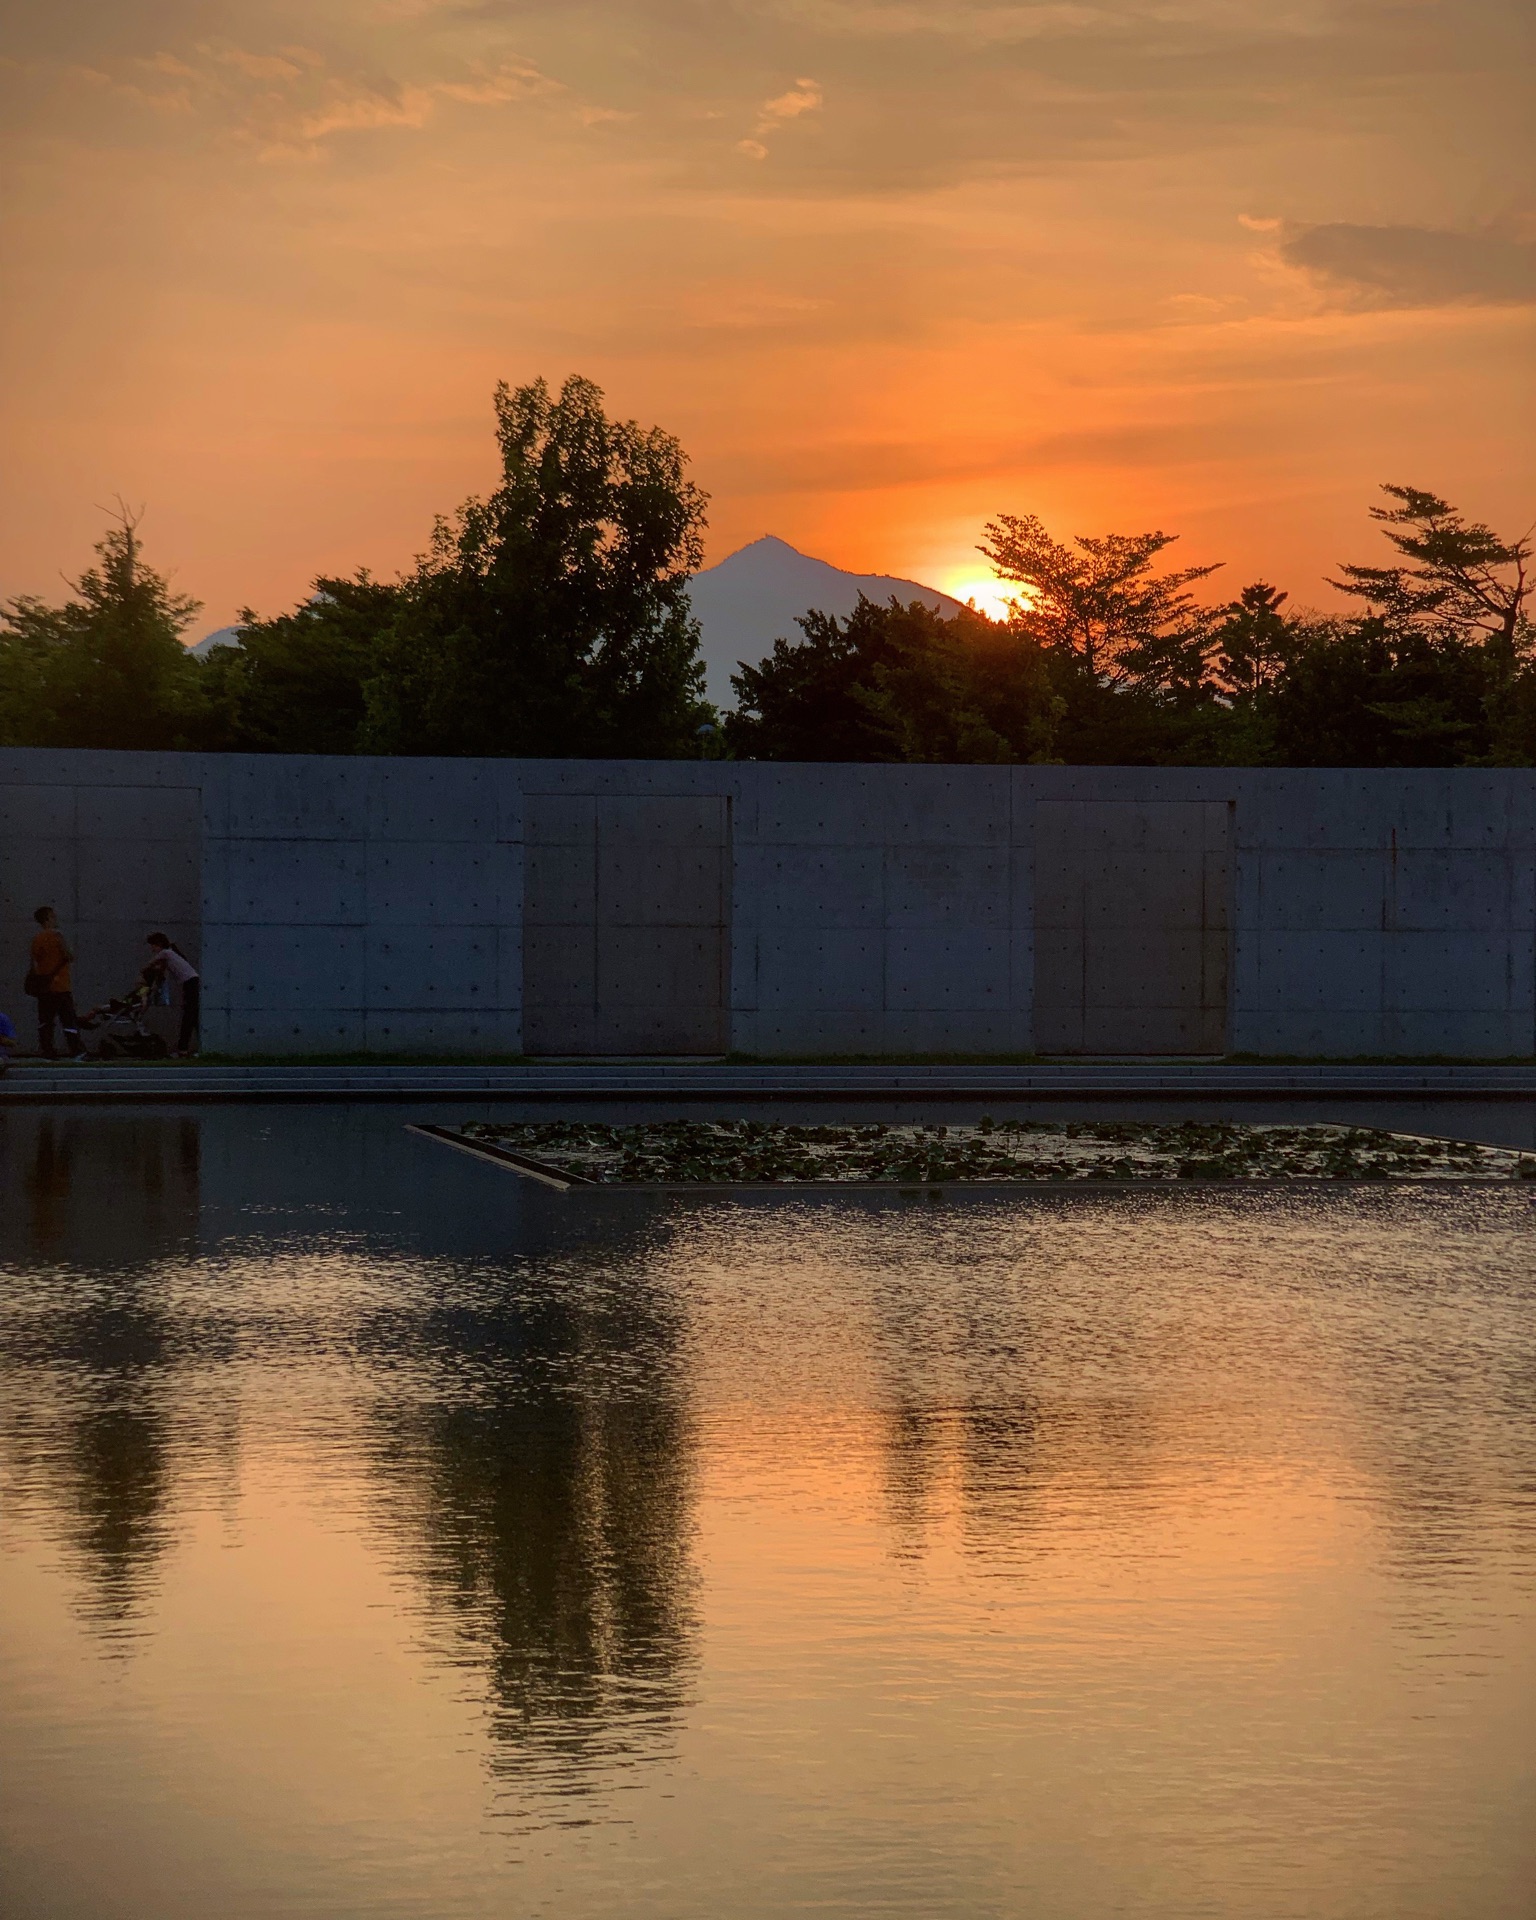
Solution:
(888, 267)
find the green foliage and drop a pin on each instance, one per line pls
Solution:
(897, 683)
(1107, 662)
(1463, 579)
(552, 618)
(295, 683)
(1130, 625)
(1366, 693)
(106, 669)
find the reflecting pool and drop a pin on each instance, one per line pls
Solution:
(382, 1535)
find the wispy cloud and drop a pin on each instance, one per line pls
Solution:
(290, 101)
(803, 97)
(1414, 266)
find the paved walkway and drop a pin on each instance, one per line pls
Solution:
(607, 1080)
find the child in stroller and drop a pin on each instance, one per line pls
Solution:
(124, 1036)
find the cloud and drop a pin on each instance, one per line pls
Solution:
(1415, 266)
(291, 101)
(803, 97)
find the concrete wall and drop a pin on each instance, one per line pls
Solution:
(378, 904)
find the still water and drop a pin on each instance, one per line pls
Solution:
(383, 1536)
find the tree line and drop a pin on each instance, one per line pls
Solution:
(551, 618)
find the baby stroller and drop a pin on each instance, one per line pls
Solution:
(124, 1035)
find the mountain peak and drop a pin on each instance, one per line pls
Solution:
(754, 596)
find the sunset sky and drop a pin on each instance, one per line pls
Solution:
(887, 267)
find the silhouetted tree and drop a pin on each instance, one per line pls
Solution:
(1253, 642)
(553, 617)
(1104, 602)
(295, 683)
(1368, 693)
(105, 669)
(897, 683)
(1462, 576)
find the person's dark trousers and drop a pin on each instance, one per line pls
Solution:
(60, 1007)
(191, 1008)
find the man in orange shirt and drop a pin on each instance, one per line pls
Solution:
(51, 980)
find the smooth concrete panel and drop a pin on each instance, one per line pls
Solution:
(662, 978)
(1156, 977)
(1445, 810)
(964, 806)
(830, 969)
(1130, 926)
(430, 967)
(559, 971)
(1465, 971)
(146, 881)
(805, 1032)
(654, 1028)
(446, 802)
(1452, 1032)
(559, 819)
(318, 1029)
(938, 1030)
(442, 883)
(432, 1030)
(37, 872)
(123, 814)
(649, 821)
(1319, 891)
(654, 916)
(860, 806)
(289, 969)
(883, 852)
(560, 883)
(962, 970)
(1431, 891)
(298, 797)
(305, 882)
(1314, 971)
(932, 887)
(30, 815)
(661, 885)
(824, 887)
(1335, 808)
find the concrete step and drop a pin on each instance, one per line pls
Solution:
(127, 1081)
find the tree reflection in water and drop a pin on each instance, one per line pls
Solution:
(87, 1338)
(552, 1538)
(540, 1491)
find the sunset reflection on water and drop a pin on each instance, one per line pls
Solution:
(382, 1535)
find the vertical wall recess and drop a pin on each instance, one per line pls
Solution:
(1131, 912)
(625, 924)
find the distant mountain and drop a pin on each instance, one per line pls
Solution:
(220, 637)
(748, 601)
(754, 597)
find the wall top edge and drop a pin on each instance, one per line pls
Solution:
(93, 766)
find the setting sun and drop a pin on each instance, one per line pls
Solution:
(984, 591)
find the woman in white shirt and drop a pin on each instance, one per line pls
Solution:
(170, 963)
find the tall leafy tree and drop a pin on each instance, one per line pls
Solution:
(552, 617)
(897, 682)
(1373, 693)
(108, 667)
(1452, 572)
(1101, 598)
(1254, 639)
(295, 683)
